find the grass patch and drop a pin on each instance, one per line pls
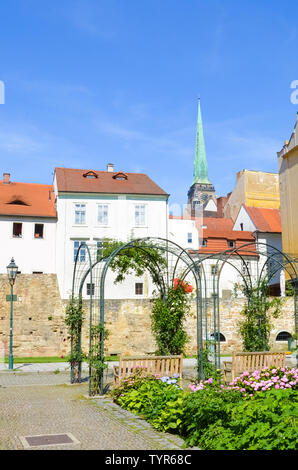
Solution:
(49, 359)
(36, 360)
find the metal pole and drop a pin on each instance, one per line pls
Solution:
(10, 361)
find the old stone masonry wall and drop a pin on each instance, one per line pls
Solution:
(39, 328)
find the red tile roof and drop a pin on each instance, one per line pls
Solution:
(27, 199)
(218, 232)
(73, 180)
(265, 220)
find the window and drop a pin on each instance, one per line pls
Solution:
(38, 231)
(140, 214)
(245, 268)
(139, 288)
(241, 226)
(37, 272)
(99, 249)
(231, 244)
(283, 336)
(215, 337)
(103, 214)
(90, 174)
(189, 237)
(204, 242)
(82, 253)
(17, 230)
(214, 270)
(89, 291)
(80, 214)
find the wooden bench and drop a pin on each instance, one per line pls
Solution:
(250, 361)
(147, 366)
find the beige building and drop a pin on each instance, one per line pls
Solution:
(288, 178)
(253, 189)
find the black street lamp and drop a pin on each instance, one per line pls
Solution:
(12, 270)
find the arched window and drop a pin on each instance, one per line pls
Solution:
(283, 336)
(221, 337)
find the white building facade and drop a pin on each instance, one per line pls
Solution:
(28, 227)
(93, 206)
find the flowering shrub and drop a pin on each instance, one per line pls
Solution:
(201, 385)
(266, 379)
(215, 417)
(184, 284)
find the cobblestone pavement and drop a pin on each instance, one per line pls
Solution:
(36, 404)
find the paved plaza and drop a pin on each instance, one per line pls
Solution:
(38, 399)
(41, 401)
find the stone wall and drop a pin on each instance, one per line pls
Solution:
(39, 329)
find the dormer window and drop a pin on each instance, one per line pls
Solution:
(120, 176)
(90, 175)
(18, 202)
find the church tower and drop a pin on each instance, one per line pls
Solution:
(201, 194)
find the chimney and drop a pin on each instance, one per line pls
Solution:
(110, 167)
(6, 177)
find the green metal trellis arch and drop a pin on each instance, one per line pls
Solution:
(177, 259)
(283, 261)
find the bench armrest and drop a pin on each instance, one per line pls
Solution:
(226, 364)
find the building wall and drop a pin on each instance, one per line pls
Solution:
(288, 174)
(255, 189)
(30, 253)
(121, 226)
(39, 321)
(178, 233)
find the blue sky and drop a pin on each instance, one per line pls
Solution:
(89, 82)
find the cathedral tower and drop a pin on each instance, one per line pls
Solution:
(201, 194)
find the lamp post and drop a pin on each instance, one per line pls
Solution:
(12, 270)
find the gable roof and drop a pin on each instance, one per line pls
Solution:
(265, 220)
(219, 231)
(73, 180)
(27, 199)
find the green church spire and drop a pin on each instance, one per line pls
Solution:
(200, 172)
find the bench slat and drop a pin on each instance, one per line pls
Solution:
(149, 365)
(250, 361)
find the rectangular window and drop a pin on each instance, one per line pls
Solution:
(245, 268)
(231, 244)
(80, 214)
(89, 289)
(214, 270)
(82, 253)
(189, 237)
(38, 231)
(103, 214)
(140, 214)
(139, 288)
(17, 230)
(204, 242)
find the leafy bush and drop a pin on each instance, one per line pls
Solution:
(159, 401)
(216, 418)
(167, 319)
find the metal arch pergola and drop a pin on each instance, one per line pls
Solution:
(178, 263)
(274, 261)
